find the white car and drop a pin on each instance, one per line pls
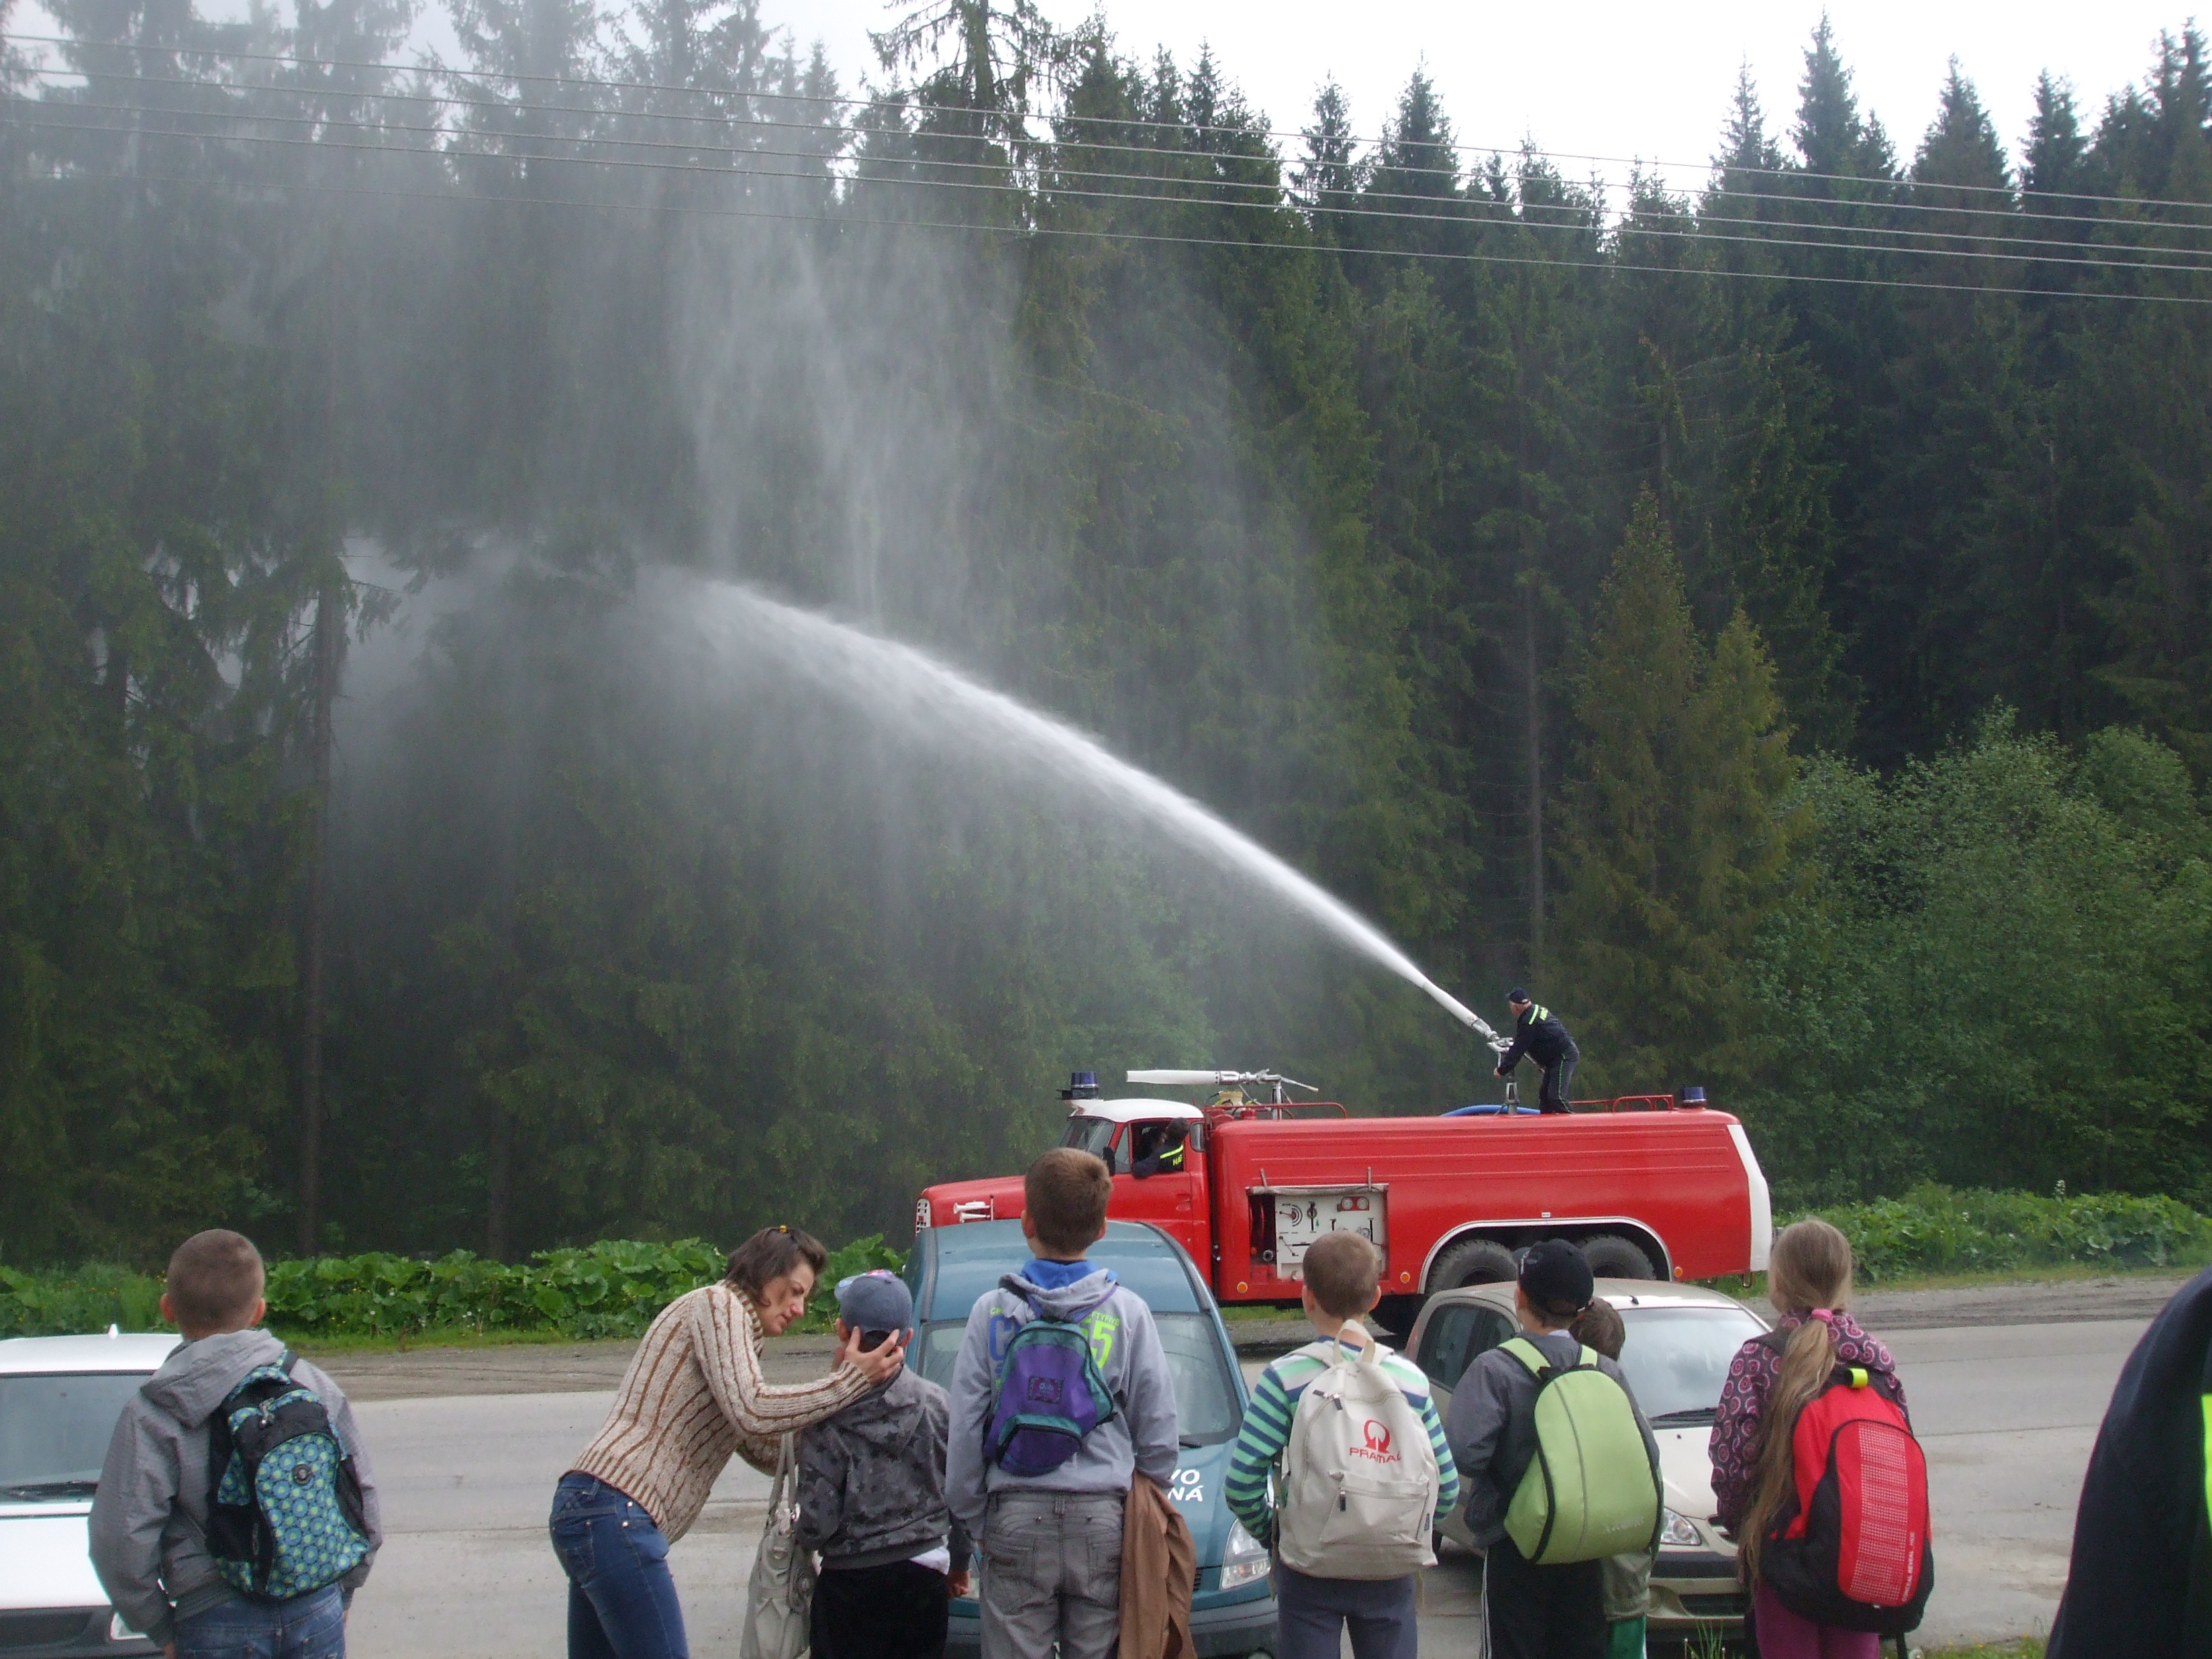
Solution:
(59, 1398)
(1681, 1339)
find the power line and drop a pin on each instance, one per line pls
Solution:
(988, 187)
(1078, 233)
(1793, 203)
(1709, 168)
(1480, 212)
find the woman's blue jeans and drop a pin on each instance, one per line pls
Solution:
(622, 1600)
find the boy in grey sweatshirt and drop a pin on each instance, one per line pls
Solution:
(1051, 1541)
(149, 1520)
(872, 1499)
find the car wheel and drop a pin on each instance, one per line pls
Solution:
(1610, 1256)
(1471, 1261)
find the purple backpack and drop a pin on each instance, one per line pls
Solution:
(1049, 1392)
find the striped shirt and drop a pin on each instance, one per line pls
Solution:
(1266, 1431)
(693, 1395)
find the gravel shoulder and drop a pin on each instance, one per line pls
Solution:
(597, 1367)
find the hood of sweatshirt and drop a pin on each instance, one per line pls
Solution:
(891, 1418)
(197, 1377)
(1070, 1301)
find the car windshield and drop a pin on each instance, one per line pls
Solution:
(1677, 1358)
(1206, 1409)
(1089, 1134)
(54, 1430)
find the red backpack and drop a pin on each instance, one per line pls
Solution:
(1850, 1548)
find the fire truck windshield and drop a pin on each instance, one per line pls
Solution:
(1091, 1134)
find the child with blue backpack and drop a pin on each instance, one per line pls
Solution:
(236, 1514)
(1061, 1396)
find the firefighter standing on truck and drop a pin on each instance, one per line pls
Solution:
(1538, 1034)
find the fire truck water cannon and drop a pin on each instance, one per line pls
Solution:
(1236, 1082)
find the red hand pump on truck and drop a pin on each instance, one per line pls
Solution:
(1651, 1186)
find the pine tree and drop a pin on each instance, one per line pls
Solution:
(1678, 843)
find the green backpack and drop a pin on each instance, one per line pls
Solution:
(1592, 1490)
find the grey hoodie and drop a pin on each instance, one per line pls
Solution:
(150, 1517)
(872, 1478)
(1140, 1435)
(1491, 1426)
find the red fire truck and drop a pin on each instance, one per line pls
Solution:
(1650, 1186)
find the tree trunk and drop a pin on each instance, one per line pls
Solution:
(329, 609)
(499, 1178)
(1535, 738)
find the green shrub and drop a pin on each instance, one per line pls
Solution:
(611, 1289)
(1934, 1229)
(90, 1298)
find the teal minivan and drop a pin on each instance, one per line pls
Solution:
(1233, 1611)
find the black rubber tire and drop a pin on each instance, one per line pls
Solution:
(1395, 1316)
(1612, 1256)
(1471, 1261)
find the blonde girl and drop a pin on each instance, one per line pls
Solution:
(1808, 1279)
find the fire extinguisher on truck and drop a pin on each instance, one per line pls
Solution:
(1650, 1186)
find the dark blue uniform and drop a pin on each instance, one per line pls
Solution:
(1538, 1035)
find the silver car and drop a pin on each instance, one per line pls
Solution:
(1681, 1339)
(59, 1398)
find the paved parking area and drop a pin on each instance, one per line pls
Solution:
(2007, 1413)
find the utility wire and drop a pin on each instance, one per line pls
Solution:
(1710, 167)
(1023, 193)
(1079, 233)
(1477, 210)
(1794, 203)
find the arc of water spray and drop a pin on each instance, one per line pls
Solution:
(845, 659)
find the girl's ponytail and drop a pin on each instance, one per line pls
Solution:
(1809, 1274)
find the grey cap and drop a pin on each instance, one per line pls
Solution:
(876, 1301)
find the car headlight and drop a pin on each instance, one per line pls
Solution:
(1678, 1532)
(119, 1632)
(1243, 1558)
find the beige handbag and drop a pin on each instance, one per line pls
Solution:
(780, 1599)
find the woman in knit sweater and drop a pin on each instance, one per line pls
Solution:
(693, 1395)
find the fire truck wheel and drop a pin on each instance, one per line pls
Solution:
(1612, 1256)
(1397, 1314)
(1471, 1261)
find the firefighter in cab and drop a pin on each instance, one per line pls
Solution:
(1538, 1034)
(1159, 1149)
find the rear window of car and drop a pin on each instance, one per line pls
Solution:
(54, 1430)
(1207, 1410)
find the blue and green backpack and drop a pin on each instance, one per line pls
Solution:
(1049, 1392)
(284, 1509)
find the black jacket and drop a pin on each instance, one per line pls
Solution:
(2140, 1582)
(1540, 1036)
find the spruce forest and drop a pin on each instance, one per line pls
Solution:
(1769, 610)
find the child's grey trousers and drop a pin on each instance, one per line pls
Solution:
(1052, 1573)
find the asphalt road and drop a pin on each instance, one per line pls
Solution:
(2008, 1414)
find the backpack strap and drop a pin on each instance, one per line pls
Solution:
(1543, 1369)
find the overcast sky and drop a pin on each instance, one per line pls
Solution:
(1598, 79)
